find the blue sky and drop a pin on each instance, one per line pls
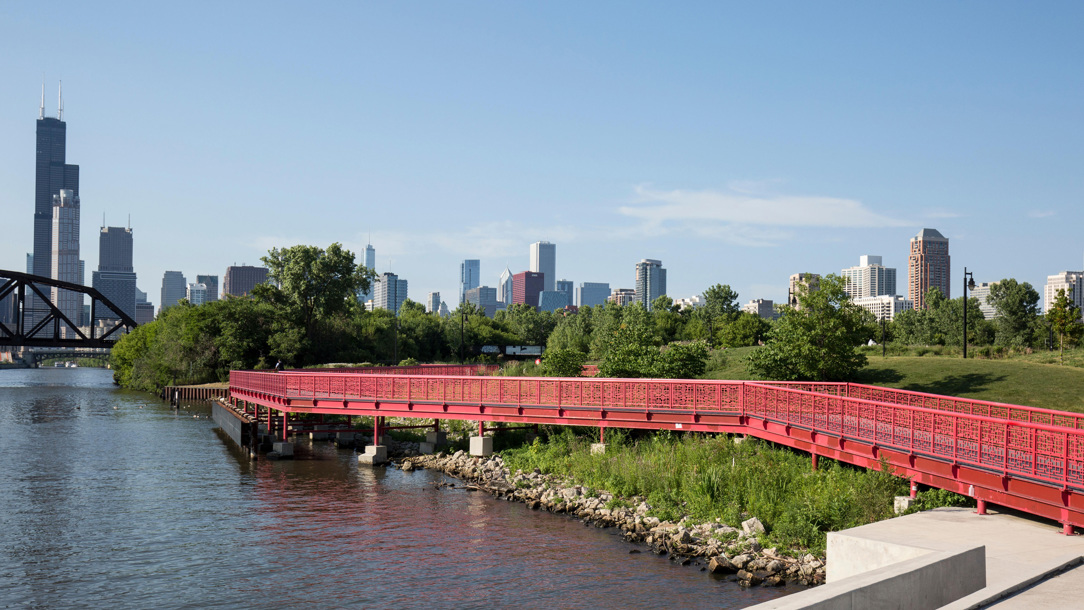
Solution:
(736, 143)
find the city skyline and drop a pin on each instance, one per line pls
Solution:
(818, 134)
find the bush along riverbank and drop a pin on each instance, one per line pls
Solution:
(739, 508)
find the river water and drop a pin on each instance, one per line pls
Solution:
(109, 498)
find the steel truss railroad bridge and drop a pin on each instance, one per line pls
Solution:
(26, 321)
(1019, 457)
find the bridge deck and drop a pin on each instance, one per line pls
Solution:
(1020, 457)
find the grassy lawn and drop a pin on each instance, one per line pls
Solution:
(1023, 380)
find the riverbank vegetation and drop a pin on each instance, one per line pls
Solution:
(708, 477)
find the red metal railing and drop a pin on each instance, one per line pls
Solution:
(1006, 441)
(965, 405)
(1038, 451)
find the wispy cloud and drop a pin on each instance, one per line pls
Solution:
(745, 214)
(1041, 213)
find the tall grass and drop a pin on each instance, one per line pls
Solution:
(708, 477)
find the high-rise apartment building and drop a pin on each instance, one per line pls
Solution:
(64, 254)
(211, 282)
(504, 288)
(469, 271)
(590, 294)
(526, 286)
(870, 278)
(544, 261)
(650, 281)
(174, 288)
(432, 303)
(1072, 282)
(928, 266)
(800, 282)
(390, 292)
(622, 296)
(241, 279)
(483, 297)
(115, 277)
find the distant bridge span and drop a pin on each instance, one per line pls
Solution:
(1019, 457)
(48, 326)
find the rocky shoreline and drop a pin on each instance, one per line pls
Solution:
(714, 547)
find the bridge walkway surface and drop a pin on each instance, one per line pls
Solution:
(1027, 459)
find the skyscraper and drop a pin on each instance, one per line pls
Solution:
(390, 292)
(568, 288)
(526, 285)
(241, 279)
(485, 298)
(211, 282)
(650, 281)
(174, 288)
(504, 288)
(544, 261)
(590, 294)
(928, 266)
(196, 293)
(432, 303)
(115, 278)
(870, 278)
(64, 253)
(370, 263)
(52, 174)
(468, 277)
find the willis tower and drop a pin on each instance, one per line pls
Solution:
(52, 175)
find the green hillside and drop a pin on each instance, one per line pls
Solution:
(1022, 380)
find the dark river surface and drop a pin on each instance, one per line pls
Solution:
(111, 499)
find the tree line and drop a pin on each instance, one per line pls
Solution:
(309, 314)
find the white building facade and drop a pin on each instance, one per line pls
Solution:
(886, 306)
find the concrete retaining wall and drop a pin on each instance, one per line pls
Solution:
(925, 582)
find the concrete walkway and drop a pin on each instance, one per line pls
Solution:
(1019, 553)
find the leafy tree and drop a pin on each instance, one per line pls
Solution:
(744, 329)
(311, 284)
(817, 341)
(573, 332)
(666, 320)
(1064, 318)
(721, 300)
(681, 361)
(1017, 307)
(531, 326)
(563, 362)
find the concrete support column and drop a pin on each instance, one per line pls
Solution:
(914, 490)
(481, 446)
(374, 455)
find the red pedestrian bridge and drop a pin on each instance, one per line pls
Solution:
(1019, 457)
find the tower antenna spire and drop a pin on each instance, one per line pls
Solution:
(41, 109)
(60, 102)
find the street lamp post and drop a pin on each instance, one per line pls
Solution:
(969, 282)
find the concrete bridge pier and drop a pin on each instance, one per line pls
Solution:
(375, 454)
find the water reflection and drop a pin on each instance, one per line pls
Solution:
(112, 498)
